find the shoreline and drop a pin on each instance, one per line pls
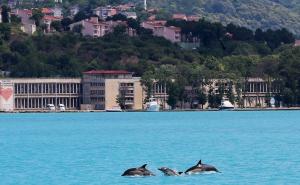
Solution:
(175, 110)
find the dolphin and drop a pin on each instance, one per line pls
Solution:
(140, 171)
(169, 172)
(199, 168)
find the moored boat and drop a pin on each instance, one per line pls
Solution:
(152, 105)
(226, 105)
(114, 109)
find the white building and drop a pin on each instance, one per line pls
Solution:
(28, 25)
(92, 27)
(34, 94)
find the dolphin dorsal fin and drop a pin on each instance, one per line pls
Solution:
(199, 163)
(144, 166)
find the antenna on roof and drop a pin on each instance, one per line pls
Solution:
(145, 4)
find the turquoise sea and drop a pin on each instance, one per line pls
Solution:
(95, 148)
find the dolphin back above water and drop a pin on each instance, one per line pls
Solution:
(169, 172)
(140, 171)
(199, 168)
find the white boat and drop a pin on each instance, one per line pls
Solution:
(226, 105)
(152, 105)
(114, 109)
(51, 107)
(61, 107)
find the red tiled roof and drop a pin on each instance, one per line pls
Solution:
(25, 11)
(179, 16)
(156, 22)
(47, 11)
(53, 18)
(174, 28)
(106, 72)
(193, 18)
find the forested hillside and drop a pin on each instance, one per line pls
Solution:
(251, 13)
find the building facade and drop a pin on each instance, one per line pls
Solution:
(297, 43)
(106, 89)
(257, 92)
(159, 29)
(105, 12)
(102, 88)
(92, 27)
(35, 94)
(28, 25)
(248, 93)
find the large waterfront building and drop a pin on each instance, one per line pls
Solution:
(28, 94)
(257, 92)
(104, 89)
(253, 92)
(96, 90)
(101, 88)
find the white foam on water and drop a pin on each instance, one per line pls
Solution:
(202, 173)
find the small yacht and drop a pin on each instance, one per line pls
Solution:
(61, 107)
(226, 105)
(114, 109)
(51, 107)
(152, 105)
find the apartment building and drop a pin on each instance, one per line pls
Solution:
(105, 12)
(101, 88)
(160, 29)
(28, 25)
(92, 27)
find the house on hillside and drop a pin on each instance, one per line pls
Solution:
(297, 43)
(92, 27)
(95, 28)
(105, 12)
(160, 29)
(125, 7)
(48, 19)
(129, 15)
(179, 17)
(57, 11)
(48, 11)
(28, 25)
(12, 3)
(193, 18)
(184, 17)
(74, 10)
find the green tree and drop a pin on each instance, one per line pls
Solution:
(65, 22)
(121, 100)
(77, 28)
(5, 10)
(80, 16)
(56, 25)
(5, 31)
(202, 98)
(37, 16)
